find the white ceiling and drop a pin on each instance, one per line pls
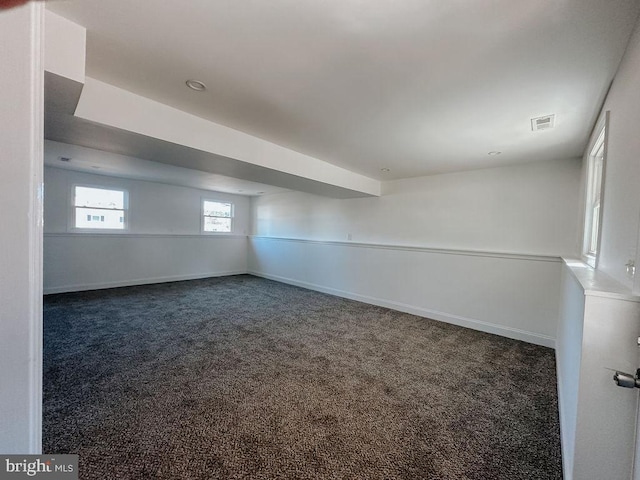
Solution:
(416, 86)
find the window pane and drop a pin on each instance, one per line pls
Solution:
(217, 209)
(597, 178)
(595, 220)
(106, 219)
(99, 198)
(216, 224)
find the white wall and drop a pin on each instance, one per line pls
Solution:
(510, 295)
(568, 354)
(155, 208)
(521, 209)
(163, 242)
(595, 333)
(621, 214)
(487, 245)
(21, 133)
(598, 332)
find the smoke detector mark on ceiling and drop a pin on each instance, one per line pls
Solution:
(543, 123)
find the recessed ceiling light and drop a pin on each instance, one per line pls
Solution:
(196, 85)
(385, 170)
(493, 154)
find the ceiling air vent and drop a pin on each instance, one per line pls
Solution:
(542, 123)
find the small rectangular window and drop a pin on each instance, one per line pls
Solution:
(594, 188)
(99, 208)
(216, 216)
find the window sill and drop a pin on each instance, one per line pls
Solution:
(596, 283)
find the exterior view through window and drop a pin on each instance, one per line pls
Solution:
(99, 208)
(217, 216)
(595, 200)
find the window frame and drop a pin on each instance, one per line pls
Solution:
(203, 216)
(106, 231)
(594, 194)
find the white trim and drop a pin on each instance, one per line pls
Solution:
(596, 283)
(139, 281)
(599, 134)
(471, 323)
(567, 463)
(228, 236)
(636, 278)
(36, 188)
(411, 248)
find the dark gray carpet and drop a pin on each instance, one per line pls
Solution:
(241, 377)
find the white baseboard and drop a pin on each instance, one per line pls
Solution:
(140, 281)
(474, 324)
(567, 463)
(471, 323)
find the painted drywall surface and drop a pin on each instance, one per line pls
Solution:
(88, 262)
(65, 47)
(163, 241)
(621, 204)
(568, 354)
(597, 334)
(521, 209)
(21, 133)
(506, 295)
(526, 209)
(153, 207)
(605, 424)
(105, 104)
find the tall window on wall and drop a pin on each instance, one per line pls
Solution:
(216, 216)
(594, 193)
(99, 208)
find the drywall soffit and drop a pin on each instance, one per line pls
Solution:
(61, 125)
